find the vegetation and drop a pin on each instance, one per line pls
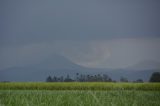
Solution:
(155, 77)
(84, 90)
(81, 78)
(79, 86)
(79, 98)
(123, 79)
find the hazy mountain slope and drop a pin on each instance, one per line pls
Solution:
(145, 65)
(55, 65)
(59, 65)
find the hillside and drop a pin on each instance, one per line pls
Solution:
(59, 65)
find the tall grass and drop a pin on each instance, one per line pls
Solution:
(79, 98)
(79, 86)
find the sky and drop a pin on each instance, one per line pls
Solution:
(90, 33)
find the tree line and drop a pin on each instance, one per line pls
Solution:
(81, 78)
(155, 77)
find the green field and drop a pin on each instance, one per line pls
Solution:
(80, 94)
(79, 86)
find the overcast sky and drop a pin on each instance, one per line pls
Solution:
(91, 33)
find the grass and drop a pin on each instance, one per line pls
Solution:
(79, 98)
(79, 86)
(79, 94)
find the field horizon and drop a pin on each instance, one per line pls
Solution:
(79, 94)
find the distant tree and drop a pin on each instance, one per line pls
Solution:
(55, 79)
(99, 78)
(155, 77)
(5, 81)
(95, 78)
(123, 79)
(106, 78)
(139, 81)
(68, 79)
(61, 79)
(77, 76)
(49, 79)
(82, 78)
(109, 80)
(114, 81)
(88, 78)
(92, 78)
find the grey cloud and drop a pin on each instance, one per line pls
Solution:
(116, 53)
(43, 21)
(31, 30)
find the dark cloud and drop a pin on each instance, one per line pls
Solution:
(43, 21)
(93, 33)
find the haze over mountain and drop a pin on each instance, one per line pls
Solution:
(146, 65)
(55, 65)
(59, 65)
(39, 38)
(56, 62)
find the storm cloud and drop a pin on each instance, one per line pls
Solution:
(91, 33)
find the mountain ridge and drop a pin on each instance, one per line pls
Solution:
(59, 65)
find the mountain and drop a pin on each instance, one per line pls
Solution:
(54, 65)
(146, 65)
(59, 65)
(56, 62)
